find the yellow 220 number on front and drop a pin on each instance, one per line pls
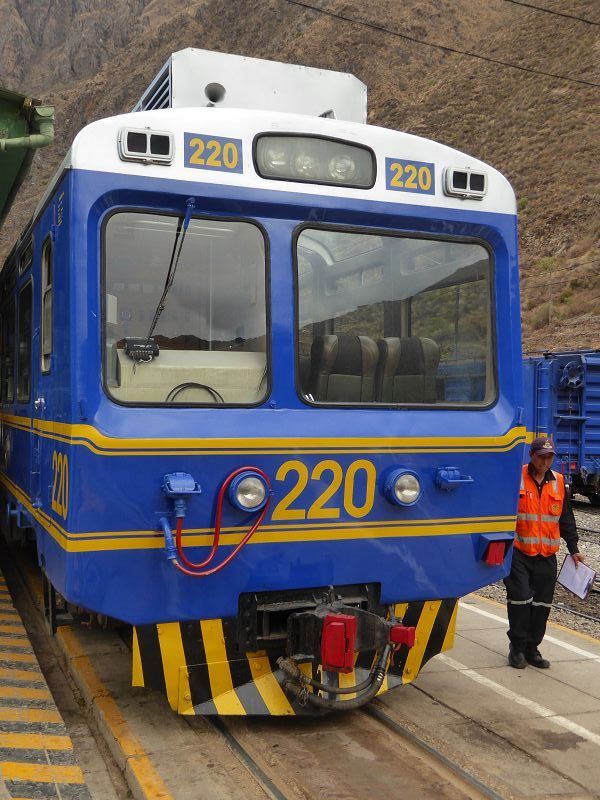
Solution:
(60, 483)
(203, 151)
(357, 485)
(403, 175)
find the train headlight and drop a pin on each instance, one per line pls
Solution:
(248, 491)
(402, 487)
(314, 159)
(342, 168)
(275, 160)
(306, 166)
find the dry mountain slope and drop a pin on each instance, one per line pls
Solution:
(94, 59)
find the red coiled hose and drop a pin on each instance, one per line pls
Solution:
(194, 567)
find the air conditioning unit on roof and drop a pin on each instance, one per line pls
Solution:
(194, 78)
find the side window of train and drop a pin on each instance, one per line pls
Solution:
(47, 278)
(24, 363)
(26, 258)
(8, 352)
(391, 319)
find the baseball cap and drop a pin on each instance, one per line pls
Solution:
(543, 444)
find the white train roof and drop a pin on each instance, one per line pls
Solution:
(193, 78)
(95, 148)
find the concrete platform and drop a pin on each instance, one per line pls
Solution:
(162, 757)
(527, 733)
(36, 752)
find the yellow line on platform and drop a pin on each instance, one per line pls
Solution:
(5, 641)
(20, 674)
(24, 693)
(40, 773)
(29, 715)
(12, 629)
(35, 741)
(7, 655)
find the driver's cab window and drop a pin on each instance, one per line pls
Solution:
(393, 320)
(185, 315)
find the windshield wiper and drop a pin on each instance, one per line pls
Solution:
(138, 349)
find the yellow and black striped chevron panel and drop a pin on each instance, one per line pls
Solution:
(198, 667)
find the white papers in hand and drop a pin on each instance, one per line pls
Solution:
(578, 579)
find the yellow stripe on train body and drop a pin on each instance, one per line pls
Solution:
(90, 437)
(95, 541)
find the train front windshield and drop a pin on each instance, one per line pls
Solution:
(210, 339)
(393, 320)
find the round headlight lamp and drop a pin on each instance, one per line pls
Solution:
(248, 491)
(342, 167)
(402, 487)
(305, 165)
(275, 160)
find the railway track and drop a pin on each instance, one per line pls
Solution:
(590, 608)
(344, 756)
(586, 506)
(310, 759)
(270, 788)
(569, 610)
(473, 783)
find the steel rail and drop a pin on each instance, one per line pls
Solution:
(589, 508)
(568, 609)
(270, 789)
(375, 711)
(588, 530)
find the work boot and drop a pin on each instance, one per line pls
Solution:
(535, 658)
(516, 658)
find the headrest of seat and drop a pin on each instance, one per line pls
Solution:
(417, 356)
(346, 354)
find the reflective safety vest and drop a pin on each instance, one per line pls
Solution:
(538, 514)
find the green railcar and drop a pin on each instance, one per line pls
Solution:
(25, 125)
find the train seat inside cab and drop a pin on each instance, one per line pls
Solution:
(342, 368)
(407, 370)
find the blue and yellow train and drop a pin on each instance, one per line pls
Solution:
(261, 387)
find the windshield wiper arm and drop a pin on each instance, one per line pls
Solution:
(177, 246)
(141, 351)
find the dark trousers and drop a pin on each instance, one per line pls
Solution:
(529, 593)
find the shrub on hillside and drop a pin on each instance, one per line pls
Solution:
(541, 317)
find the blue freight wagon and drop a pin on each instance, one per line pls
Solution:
(562, 399)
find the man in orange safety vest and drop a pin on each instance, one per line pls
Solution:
(544, 516)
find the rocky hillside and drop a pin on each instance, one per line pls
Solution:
(93, 59)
